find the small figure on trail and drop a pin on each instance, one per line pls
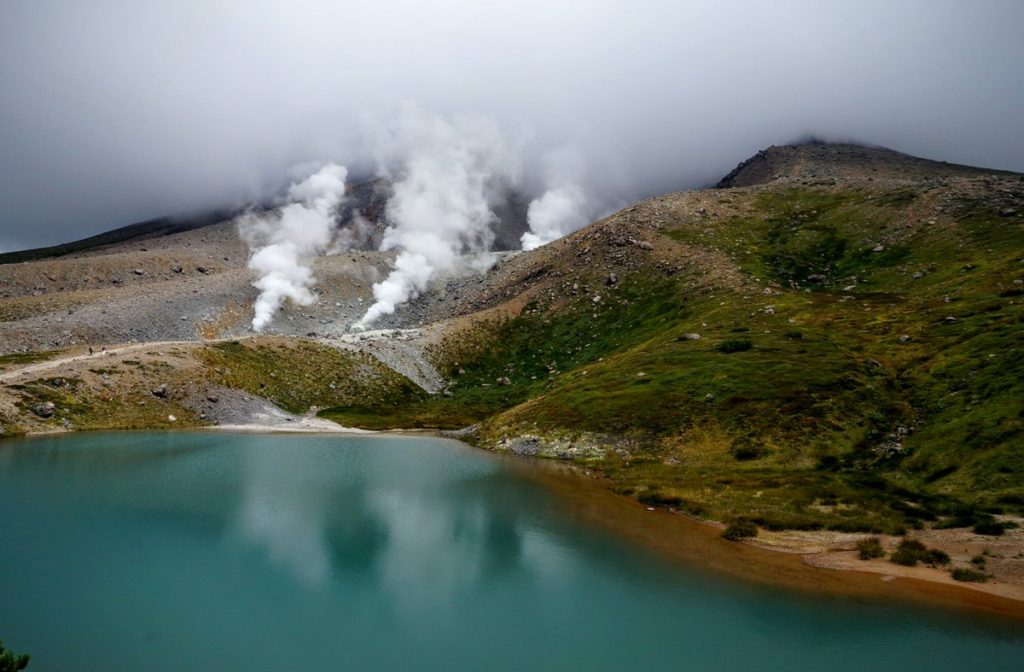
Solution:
(90, 351)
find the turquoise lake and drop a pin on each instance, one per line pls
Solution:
(204, 551)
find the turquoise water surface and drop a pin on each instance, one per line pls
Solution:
(196, 551)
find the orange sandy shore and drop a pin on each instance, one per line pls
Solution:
(824, 563)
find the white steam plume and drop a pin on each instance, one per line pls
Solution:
(446, 177)
(283, 246)
(559, 211)
(564, 207)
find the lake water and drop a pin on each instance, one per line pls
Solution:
(195, 551)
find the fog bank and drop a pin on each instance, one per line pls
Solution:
(120, 111)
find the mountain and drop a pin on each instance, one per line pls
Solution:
(151, 228)
(366, 198)
(831, 338)
(816, 162)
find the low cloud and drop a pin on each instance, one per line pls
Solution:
(116, 112)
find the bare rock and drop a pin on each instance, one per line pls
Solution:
(45, 409)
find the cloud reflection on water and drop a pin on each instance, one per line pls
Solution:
(426, 537)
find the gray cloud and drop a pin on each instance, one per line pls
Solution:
(113, 112)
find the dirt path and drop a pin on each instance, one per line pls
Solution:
(38, 367)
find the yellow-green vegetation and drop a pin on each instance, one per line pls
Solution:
(870, 548)
(739, 529)
(867, 374)
(910, 552)
(968, 575)
(299, 374)
(26, 357)
(81, 407)
(11, 661)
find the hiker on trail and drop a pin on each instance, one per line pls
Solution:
(90, 351)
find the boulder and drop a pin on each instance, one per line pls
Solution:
(45, 409)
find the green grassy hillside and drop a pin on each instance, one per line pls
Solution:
(862, 369)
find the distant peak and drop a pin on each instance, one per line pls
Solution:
(815, 159)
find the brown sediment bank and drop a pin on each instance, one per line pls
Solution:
(785, 563)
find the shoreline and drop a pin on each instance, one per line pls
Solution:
(789, 560)
(773, 559)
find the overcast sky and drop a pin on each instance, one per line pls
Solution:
(113, 112)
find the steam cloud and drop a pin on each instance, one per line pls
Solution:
(558, 212)
(283, 247)
(447, 176)
(564, 207)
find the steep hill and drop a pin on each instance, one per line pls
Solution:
(844, 355)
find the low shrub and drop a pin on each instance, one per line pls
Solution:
(911, 551)
(870, 548)
(734, 345)
(658, 498)
(991, 528)
(740, 529)
(747, 448)
(970, 575)
(11, 661)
